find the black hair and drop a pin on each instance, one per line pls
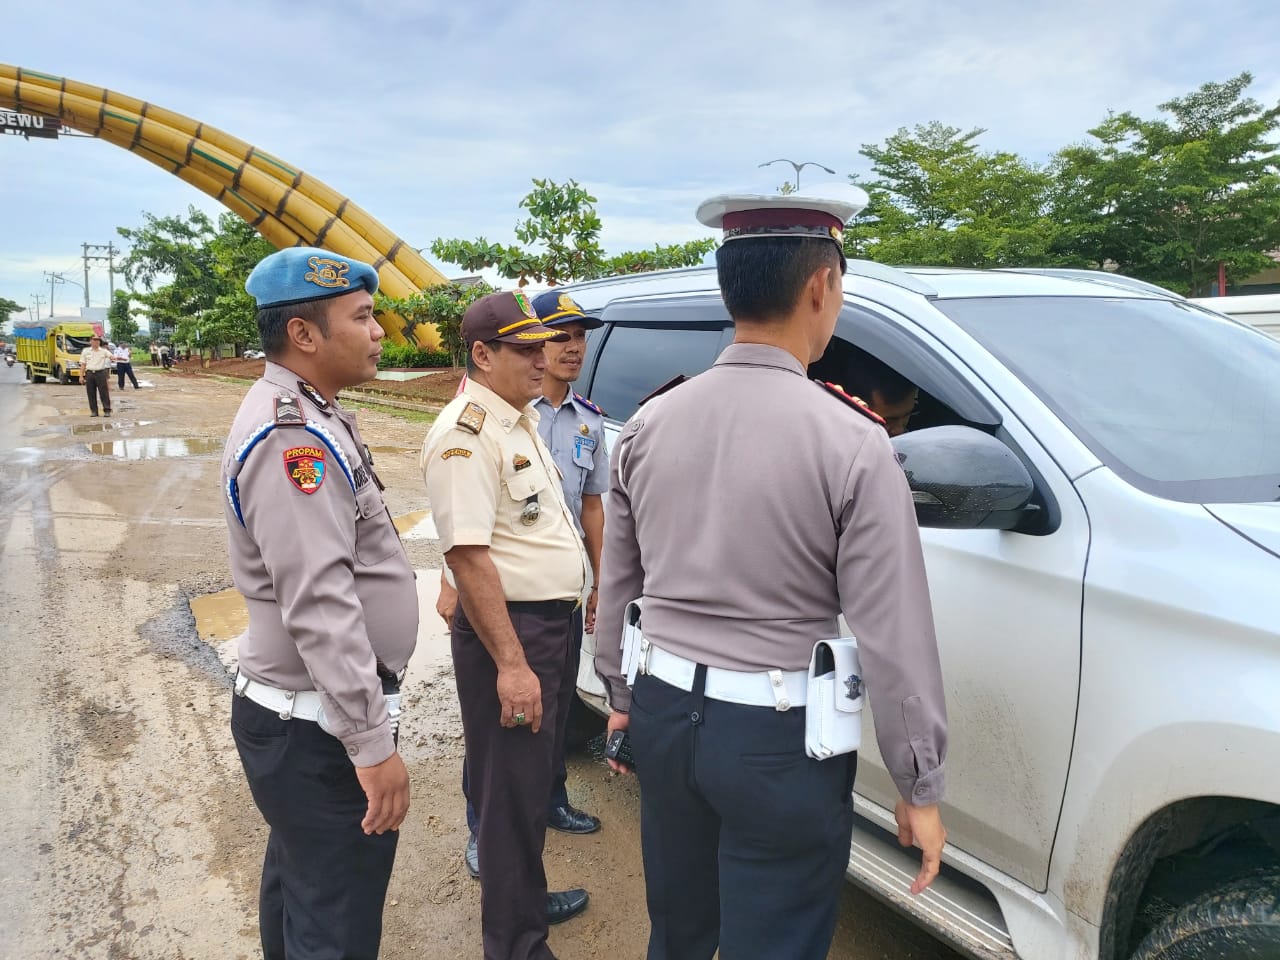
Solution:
(273, 321)
(866, 375)
(761, 278)
(493, 345)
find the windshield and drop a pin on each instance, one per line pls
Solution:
(76, 344)
(1183, 404)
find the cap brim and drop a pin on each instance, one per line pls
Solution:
(534, 333)
(588, 323)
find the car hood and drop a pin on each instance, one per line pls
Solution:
(1257, 522)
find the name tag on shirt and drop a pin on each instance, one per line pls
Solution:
(583, 443)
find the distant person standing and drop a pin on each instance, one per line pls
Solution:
(123, 356)
(95, 365)
(155, 354)
(166, 357)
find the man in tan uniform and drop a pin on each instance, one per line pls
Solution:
(95, 371)
(513, 548)
(333, 613)
(748, 508)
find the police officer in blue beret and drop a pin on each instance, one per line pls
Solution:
(333, 613)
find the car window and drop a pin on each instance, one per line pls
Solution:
(1180, 402)
(645, 345)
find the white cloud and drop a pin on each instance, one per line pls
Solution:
(434, 116)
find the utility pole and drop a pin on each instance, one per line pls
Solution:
(109, 257)
(37, 300)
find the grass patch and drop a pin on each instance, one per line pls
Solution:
(412, 416)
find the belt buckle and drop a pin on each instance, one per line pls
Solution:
(646, 650)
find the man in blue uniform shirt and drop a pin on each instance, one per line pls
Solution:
(573, 428)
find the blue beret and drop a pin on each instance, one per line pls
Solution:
(299, 274)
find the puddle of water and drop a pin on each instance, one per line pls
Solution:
(223, 616)
(416, 526)
(79, 429)
(220, 616)
(151, 448)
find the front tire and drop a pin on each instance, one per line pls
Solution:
(1240, 921)
(64, 378)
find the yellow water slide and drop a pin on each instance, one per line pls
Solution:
(284, 204)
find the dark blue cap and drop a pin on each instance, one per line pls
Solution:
(554, 308)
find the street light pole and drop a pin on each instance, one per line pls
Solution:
(798, 167)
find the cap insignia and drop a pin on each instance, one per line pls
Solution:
(525, 306)
(325, 272)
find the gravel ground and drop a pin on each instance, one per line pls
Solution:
(128, 830)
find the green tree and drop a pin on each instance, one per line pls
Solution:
(441, 307)
(937, 198)
(561, 237)
(120, 323)
(192, 272)
(1169, 199)
(7, 309)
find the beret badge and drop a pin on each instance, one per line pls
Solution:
(325, 272)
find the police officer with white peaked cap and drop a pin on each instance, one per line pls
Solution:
(512, 545)
(333, 613)
(799, 511)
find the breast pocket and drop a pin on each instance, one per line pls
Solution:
(521, 489)
(376, 537)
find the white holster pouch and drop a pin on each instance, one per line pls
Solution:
(635, 649)
(833, 714)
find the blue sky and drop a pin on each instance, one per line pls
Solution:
(434, 117)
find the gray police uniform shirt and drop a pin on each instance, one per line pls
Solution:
(574, 434)
(316, 555)
(749, 507)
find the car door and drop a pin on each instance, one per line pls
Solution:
(1007, 610)
(643, 345)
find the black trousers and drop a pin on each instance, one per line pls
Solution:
(125, 370)
(323, 881)
(745, 838)
(509, 772)
(96, 384)
(559, 770)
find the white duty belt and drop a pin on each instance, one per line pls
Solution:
(780, 689)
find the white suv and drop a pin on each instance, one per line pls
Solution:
(1096, 464)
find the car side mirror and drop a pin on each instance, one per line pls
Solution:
(964, 479)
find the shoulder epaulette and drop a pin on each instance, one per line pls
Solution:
(671, 384)
(288, 411)
(856, 402)
(588, 404)
(472, 418)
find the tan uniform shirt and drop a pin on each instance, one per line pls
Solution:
(749, 508)
(316, 555)
(100, 359)
(484, 464)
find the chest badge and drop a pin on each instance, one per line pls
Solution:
(305, 468)
(584, 429)
(532, 510)
(520, 461)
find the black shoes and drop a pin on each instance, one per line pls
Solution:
(568, 819)
(561, 906)
(472, 857)
(565, 905)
